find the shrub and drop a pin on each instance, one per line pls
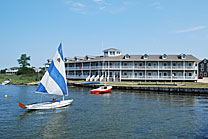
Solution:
(26, 71)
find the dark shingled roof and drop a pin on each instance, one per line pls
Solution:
(140, 58)
(92, 57)
(79, 57)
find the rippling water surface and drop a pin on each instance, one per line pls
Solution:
(121, 114)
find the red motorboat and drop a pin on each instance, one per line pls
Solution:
(101, 90)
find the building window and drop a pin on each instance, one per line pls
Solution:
(145, 56)
(205, 74)
(174, 64)
(183, 56)
(164, 64)
(140, 64)
(111, 74)
(164, 56)
(105, 53)
(127, 57)
(149, 74)
(202, 65)
(112, 52)
(149, 64)
(140, 74)
(190, 64)
(190, 74)
(164, 74)
(118, 52)
(179, 74)
(202, 69)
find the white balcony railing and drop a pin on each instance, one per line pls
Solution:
(77, 76)
(159, 78)
(133, 67)
(141, 77)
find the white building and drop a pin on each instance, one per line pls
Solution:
(114, 66)
(12, 70)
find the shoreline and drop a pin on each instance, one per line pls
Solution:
(177, 90)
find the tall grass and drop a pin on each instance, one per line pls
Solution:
(18, 79)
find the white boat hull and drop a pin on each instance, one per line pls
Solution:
(5, 82)
(47, 105)
(101, 90)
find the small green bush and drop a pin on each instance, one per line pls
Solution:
(26, 71)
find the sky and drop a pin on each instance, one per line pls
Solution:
(36, 27)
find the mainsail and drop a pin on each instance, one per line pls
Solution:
(54, 80)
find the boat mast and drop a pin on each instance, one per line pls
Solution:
(103, 64)
(65, 71)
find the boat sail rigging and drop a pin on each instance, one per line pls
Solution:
(105, 88)
(53, 82)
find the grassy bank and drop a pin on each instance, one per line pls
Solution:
(24, 79)
(135, 84)
(186, 85)
(19, 79)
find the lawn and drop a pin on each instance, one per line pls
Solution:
(19, 79)
(135, 84)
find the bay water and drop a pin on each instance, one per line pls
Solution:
(120, 114)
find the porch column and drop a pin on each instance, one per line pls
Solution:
(120, 71)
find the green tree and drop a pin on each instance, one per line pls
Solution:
(23, 61)
(3, 71)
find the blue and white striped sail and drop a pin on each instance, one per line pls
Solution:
(54, 80)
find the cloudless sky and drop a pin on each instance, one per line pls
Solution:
(36, 27)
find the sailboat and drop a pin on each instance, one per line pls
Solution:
(54, 83)
(102, 89)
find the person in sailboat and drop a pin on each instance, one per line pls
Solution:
(54, 100)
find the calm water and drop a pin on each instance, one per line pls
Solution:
(121, 114)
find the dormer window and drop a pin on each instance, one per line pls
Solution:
(75, 58)
(105, 53)
(126, 56)
(183, 56)
(86, 58)
(164, 56)
(145, 56)
(112, 53)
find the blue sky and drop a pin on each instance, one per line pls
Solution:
(36, 27)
